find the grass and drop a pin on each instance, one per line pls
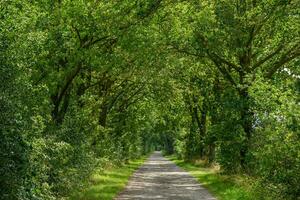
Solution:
(221, 186)
(107, 183)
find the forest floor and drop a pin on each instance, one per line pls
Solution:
(160, 178)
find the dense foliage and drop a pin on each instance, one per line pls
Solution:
(86, 83)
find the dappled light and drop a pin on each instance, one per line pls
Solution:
(159, 178)
(90, 88)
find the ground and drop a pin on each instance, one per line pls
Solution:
(160, 178)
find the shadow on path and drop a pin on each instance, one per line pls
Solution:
(160, 178)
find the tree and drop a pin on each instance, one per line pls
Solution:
(242, 39)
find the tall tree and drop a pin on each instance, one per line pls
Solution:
(243, 40)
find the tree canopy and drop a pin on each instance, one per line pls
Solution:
(86, 83)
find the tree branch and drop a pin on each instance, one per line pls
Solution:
(77, 33)
(268, 57)
(226, 62)
(225, 73)
(184, 51)
(290, 55)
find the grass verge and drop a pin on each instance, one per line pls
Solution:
(107, 183)
(221, 186)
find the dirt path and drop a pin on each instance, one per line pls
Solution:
(159, 178)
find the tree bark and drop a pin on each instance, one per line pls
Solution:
(247, 124)
(62, 94)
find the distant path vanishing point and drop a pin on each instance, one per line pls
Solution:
(160, 178)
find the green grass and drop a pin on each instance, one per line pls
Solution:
(106, 184)
(221, 186)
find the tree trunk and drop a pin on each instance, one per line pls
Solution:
(103, 115)
(201, 122)
(247, 124)
(59, 111)
(211, 152)
(62, 94)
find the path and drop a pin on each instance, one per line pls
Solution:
(159, 179)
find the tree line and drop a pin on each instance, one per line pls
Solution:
(89, 83)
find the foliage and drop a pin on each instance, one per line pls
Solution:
(107, 182)
(87, 83)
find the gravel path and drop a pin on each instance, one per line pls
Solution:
(160, 178)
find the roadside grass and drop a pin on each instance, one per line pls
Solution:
(221, 186)
(105, 184)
